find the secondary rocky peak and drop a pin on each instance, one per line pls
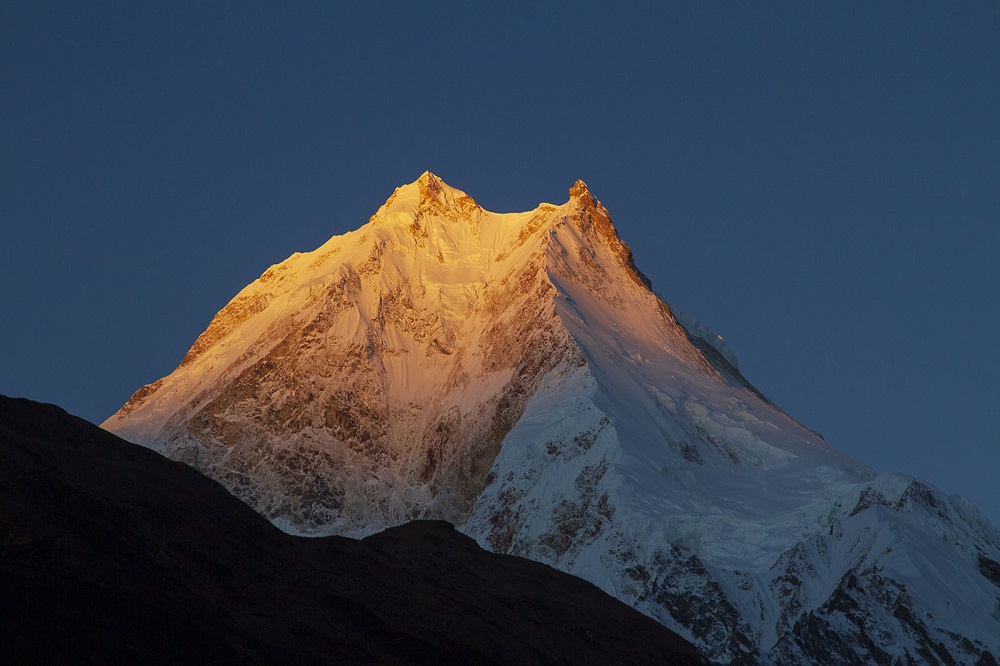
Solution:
(579, 189)
(580, 192)
(594, 221)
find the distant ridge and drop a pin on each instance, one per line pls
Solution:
(112, 553)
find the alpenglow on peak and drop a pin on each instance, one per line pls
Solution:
(408, 349)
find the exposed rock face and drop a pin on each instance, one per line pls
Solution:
(516, 375)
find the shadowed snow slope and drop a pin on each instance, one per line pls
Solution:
(515, 374)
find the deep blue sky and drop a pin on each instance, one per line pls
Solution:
(819, 182)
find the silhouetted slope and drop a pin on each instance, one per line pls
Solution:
(110, 552)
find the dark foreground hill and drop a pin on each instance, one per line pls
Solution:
(111, 553)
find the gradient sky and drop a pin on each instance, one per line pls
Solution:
(819, 182)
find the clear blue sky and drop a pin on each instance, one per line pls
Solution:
(819, 182)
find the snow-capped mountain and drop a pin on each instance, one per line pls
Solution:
(515, 374)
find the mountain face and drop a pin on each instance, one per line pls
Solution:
(516, 375)
(110, 553)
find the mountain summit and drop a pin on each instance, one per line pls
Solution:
(373, 380)
(515, 374)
